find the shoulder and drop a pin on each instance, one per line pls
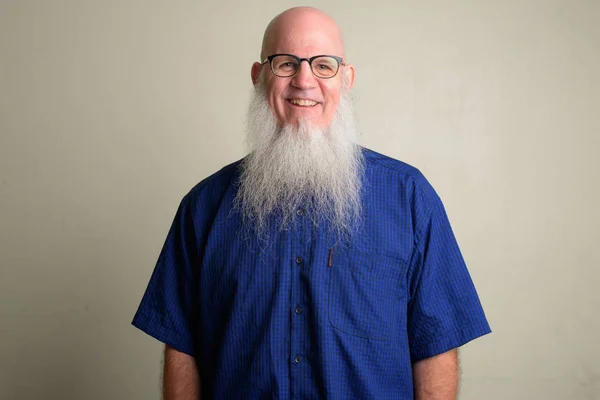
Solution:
(381, 167)
(213, 188)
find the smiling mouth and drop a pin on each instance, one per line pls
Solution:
(303, 102)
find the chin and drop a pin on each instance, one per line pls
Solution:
(311, 121)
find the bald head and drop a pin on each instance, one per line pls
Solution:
(307, 23)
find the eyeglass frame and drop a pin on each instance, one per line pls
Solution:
(309, 60)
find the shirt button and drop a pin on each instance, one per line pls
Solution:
(300, 212)
(299, 260)
(297, 359)
(298, 310)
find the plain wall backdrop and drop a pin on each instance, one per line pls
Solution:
(110, 111)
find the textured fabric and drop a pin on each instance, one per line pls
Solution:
(309, 317)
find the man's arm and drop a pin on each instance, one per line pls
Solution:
(436, 378)
(181, 380)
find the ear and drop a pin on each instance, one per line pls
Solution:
(255, 72)
(349, 72)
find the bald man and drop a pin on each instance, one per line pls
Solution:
(313, 268)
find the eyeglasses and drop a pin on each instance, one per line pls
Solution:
(287, 65)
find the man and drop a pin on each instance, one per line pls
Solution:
(313, 268)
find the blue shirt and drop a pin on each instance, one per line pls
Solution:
(307, 317)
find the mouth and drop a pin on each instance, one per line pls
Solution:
(303, 102)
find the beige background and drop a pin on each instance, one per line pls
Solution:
(110, 111)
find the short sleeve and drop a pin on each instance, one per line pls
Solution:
(167, 310)
(444, 311)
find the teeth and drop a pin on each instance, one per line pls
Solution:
(303, 103)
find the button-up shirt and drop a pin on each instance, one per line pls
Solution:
(302, 314)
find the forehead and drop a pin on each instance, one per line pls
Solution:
(306, 44)
(304, 34)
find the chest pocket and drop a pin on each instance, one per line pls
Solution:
(366, 293)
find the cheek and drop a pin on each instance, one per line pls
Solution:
(333, 100)
(273, 98)
(331, 91)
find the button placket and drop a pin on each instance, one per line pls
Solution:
(299, 343)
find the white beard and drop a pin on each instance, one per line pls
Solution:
(318, 169)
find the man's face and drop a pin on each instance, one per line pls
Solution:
(303, 96)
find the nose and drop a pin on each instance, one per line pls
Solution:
(304, 78)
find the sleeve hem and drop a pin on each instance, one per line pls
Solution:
(450, 341)
(152, 326)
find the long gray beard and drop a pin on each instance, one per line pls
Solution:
(301, 167)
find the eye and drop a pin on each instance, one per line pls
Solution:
(324, 67)
(287, 66)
